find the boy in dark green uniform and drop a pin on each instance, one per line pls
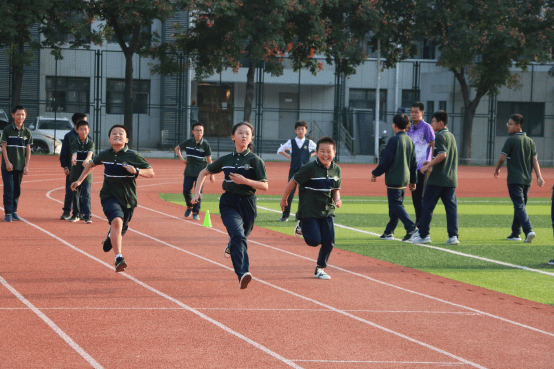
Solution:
(442, 182)
(197, 155)
(16, 155)
(82, 148)
(521, 153)
(319, 182)
(119, 190)
(398, 162)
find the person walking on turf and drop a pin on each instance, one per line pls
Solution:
(423, 136)
(521, 153)
(398, 162)
(244, 174)
(441, 183)
(319, 193)
(198, 153)
(16, 155)
(301, 149)
(119, 191)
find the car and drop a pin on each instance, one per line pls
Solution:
(4, 120)
(48, 133)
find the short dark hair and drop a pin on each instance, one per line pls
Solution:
(419, 105)
(18, 107)
(401, 120)
(77, 117)
(518, 119)
(300, 123)
(326, 140)
(81, 123)
(119, 126)
(233, 130)
(195, 124)
(441, 116)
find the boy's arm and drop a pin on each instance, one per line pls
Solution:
(179, 154)
(536, 167)
(27, 159)
(88, 169)
(199, 183)
(499, 164)
(240, 179)
(386, 160)
(9, 166)
(288, 190)
(209, 160)
(336, 198)
(89, 158)
(440, 157)
(74, 159)
(285, 146)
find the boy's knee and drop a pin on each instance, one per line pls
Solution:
(117, 223)
(312, 243)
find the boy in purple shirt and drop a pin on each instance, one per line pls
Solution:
(424, 139)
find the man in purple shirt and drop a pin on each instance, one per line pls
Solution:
(424, 139)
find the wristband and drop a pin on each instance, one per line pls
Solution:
(137, 173)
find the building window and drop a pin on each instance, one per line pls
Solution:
(426, 49)
(67, 94)
(215, 108)
(365, 99)
(115, 96)
(442, 105)
(533, 113)
(429, 111)
(409, 97)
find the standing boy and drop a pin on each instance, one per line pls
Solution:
(423, 136)
(82, 148)
(442, 182)
(521, 153)
(197, 155)
(65, 161)
(300, 152)
(398, 162)
(319, 182)
(119, 190)
(16, 155)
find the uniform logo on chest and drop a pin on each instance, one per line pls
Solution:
(247, 166)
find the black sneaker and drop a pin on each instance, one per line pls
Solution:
(15, 217)
(551, 262)
(88, 220)
(188, 212)
(513, 237)
(107, 244)
(387, 236)
(284, 219)
(409, 235)
(74, 218)
(120, 264)
(66, 215)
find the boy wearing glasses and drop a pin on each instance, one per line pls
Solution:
(198, 155)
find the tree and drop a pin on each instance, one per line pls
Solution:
(129, 21)
(481, 40)
(249, 33)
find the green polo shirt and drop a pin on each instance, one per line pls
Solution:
(196, 155)
(245, 163)
(118, 182)
(445, 173)
(520, 151)
(16, 141)
(316, 184)
(81, 148)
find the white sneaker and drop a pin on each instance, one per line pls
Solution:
(320, 273)
(298, 230)
(452, 241)
(418, 239)
(530, 236)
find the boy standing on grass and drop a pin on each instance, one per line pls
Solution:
(16, 155)
(300, 151)
(398, 162)
(82, 148)
(65, 161)
(197, 155)
(319, 182)
(521, 153)
(119, 190)
(442, 182)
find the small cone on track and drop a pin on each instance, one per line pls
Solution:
(207, 220)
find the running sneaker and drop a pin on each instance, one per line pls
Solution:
(120, 264)
(15, 217)
(188, 212)
(320, 273)
(418, 239)
(8, 217)
(298, 230)
(530, 236)
(107, 244)
(410, 235)
(227, 252)
(74, 218)
(513, 237)
(284, 219)
(88, 220)
(551, 262)
(244, 280)
(452, 241)
(195, 217)
(66, 215)
(387, 236)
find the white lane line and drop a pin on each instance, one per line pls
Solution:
(382, 362)
(361, 275)
(51, 324)
(515, 266)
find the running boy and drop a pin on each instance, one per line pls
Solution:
(442, 182)
(319, 182)
(300, 152)
(82, 148)
(398, 162)
(65, 161)
(119, 190)
(16, 155)
(244, 174)
(197, 154)
(522, 155)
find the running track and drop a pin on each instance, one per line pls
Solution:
(179, 305)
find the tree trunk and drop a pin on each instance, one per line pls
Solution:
(18, 69)
(128, 98)
(249, 96)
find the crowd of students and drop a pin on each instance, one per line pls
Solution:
(420, 156)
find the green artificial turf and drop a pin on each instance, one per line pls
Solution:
(484, 224)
